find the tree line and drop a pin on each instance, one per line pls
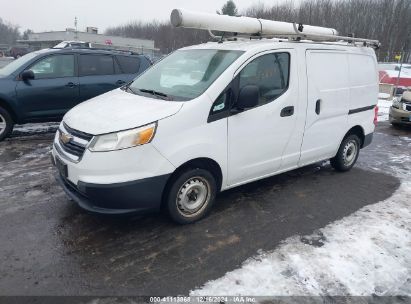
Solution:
(10, 33)
(388, 21)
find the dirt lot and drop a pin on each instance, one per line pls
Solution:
(49, 246)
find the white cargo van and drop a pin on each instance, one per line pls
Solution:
(215, 116)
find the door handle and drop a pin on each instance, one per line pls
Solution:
(318, 107)
(287, 111)
(71, 85)
(120, 82)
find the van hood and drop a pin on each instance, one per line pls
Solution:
(118, 110)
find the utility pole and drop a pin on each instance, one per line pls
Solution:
(400, 61)
(76, 32)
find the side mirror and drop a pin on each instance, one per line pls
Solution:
(28, 74)
(248, 97)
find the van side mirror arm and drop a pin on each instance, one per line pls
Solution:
(234, 110)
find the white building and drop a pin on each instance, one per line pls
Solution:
(50, 39)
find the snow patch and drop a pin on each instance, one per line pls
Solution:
(35, 128)
(363, 254)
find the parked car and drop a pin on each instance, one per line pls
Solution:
(211, 117)
(17, 51)
(42, 86)
(400, 111)
(73, 44)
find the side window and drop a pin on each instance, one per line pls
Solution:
(221, 103)
(129, 64)
(270, 73)
(55, 66)
(92, 65)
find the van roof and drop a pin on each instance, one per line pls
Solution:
(247, 45)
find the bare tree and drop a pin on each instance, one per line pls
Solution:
(8, 33)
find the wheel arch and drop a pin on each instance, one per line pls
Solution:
(201, 162)
(4, 104)
(356, 130)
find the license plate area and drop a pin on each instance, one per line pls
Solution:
(61, 167)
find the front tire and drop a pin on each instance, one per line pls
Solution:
(191, 195)
(347, 154)
(6, 124)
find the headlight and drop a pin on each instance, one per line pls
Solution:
(396, 103)
(123, 139)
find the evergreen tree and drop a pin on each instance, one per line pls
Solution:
(229, 9)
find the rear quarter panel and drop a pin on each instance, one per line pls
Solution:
(363, 88)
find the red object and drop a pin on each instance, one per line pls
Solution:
(391, 78)
(108, 41)
(375, 115)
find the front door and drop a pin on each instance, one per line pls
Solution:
(258, 137)
(54, 89)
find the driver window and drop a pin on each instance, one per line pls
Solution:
(270, 73)
(54, 67)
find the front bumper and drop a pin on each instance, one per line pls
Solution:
(123, 181)
(131, 197)
(399, 116)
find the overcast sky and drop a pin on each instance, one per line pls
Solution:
(46, 15)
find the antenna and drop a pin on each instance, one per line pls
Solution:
(254, 27)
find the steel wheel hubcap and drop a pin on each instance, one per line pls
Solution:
(2, 124)
(193, 196)
(350, 152)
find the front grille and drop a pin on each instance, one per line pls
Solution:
(72, 142)
(73, 148)
(77, 133)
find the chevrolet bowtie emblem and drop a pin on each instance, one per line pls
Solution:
(65, 138)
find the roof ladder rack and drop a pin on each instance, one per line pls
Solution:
(260, 28)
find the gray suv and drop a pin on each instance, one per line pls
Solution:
(43, 85)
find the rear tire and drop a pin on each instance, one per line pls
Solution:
(6, 124)
(191, 195)
(347, 154)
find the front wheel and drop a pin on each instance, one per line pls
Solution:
(347, 154)
(191, 195)
(6, 123)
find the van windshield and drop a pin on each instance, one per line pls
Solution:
(15, 64)
(184, 75)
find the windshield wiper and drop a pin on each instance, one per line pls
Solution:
(127, 88)
(156, 93)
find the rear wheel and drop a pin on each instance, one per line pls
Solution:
(347, 154)
(6, 123)
(191, 195)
